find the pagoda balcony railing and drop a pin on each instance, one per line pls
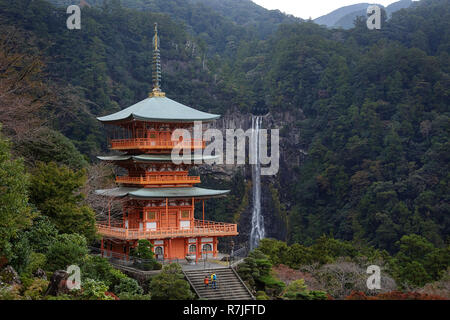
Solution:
(159, 179)
(148, 143)
(200, 228)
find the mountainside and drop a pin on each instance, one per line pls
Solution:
(345, 17)
(331, 18)
(363, 116)
(364, 123)
(249, 14)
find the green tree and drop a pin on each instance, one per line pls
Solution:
(56, 193)
(41, 234)
(170, 284)
(68, 249)
(99, 268)
(256, 270)
(145, 256)
(93, 290)
(129, 286)
(15, 212)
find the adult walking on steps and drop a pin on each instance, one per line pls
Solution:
(213, 281)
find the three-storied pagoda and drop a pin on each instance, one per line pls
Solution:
(158, 196)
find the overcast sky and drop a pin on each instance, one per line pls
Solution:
(312, 8)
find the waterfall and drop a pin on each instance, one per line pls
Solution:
(257, 231)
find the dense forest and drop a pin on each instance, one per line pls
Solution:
(371, 107)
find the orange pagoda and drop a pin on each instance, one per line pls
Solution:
(158, 196)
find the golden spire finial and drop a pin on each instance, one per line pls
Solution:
(156, 68)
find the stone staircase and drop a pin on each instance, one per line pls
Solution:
(229, 284)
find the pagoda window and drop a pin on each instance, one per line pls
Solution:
(185, 214)
(158, 250)
(207, 247)
(151, 215)
(193, 248)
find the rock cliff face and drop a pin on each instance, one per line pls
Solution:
(275, 202)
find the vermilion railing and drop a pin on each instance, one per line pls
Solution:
(200, 228)
(147, 143)
(159, 179)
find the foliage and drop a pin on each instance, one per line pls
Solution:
(15, 212)
(297, 290)
(41, 234)
(144, 252)
(36, 290)
(129, 296)
(48, 145)
(10, 293)
(261, 295)
(418, 261)
(37, 261)
(93, 290)
(21, 253)
(394, 295)
(324, 250)
(128, 286)
(170, 284)
(256, 270)
(55, 192)
(98, 268)
(68, 249)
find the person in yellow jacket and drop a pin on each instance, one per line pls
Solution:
(213, 281)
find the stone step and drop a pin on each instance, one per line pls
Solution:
(229, 286)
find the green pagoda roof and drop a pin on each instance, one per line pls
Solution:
(159, 109)
(155, 158)
(161, 193)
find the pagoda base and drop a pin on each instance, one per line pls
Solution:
(186, 249)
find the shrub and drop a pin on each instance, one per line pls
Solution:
(170, 284)
(98, 268)
(129, 296)
(36, 289)
(93, 290)
(68, 249)
(128, 285)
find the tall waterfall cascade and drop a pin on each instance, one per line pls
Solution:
(257, 231)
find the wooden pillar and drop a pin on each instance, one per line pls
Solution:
(170, 249)
(109, 213)
(198, 249)
(215, 247)
(102, 248)
(167, 211)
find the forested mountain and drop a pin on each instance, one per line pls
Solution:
(344, 17)
(331, 18)
(365, 112)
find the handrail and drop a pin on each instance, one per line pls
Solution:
(155, 143)
(242, 281)
(190, 283)
(200, 228)
(158, 179)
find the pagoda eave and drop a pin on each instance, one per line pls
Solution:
(159, 109)
(147, 158)
(162, 193)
